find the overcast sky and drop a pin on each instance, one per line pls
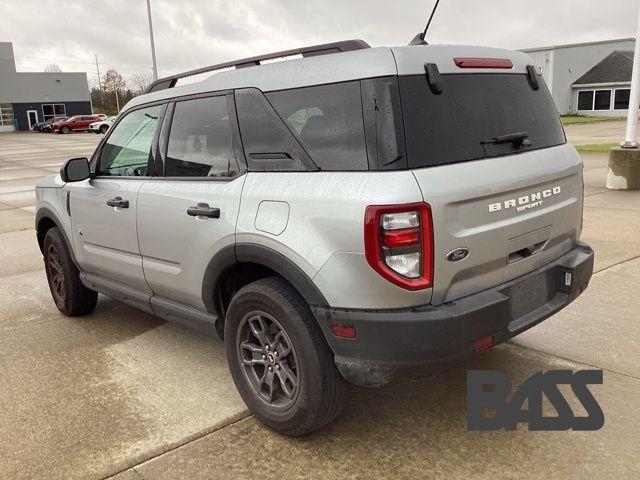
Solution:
(194, 33)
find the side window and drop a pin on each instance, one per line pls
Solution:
(328, 121)
(268, 143)
(126, 151)
(201, 140)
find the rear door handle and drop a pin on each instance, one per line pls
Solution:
(203, 210)
(118, 202)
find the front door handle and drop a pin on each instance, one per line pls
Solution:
(203, 210)
(118, 202)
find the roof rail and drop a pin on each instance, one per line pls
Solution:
(315, 50)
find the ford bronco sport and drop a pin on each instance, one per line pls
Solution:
(344, 217)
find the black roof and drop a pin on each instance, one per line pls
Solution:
(616, 67)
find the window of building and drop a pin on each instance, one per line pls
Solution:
(328, 121)
(616, 99)
(201, 140)
(602, 100)
(50, 110)
(127, 150)
(585, 100)
(621, 99)
(6, 114)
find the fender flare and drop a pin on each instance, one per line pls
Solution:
(45, 213)
(239, 253)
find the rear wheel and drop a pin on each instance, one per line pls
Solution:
(280, 361)
(71, 297)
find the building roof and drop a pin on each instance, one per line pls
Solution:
(38, 87)
(571, 45)
(615, 68)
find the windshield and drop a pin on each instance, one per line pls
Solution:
(476, 116)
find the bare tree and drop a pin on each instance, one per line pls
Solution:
(52, 68)
(113, 81)
(141, 81)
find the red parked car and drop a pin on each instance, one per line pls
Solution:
(76, 123)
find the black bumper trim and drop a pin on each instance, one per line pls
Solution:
(392, 341)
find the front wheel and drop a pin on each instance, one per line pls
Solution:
(64, 129)
(71, 297)
(103, 129)
(280, 361)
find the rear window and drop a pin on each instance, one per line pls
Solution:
(471, 110)
(327, 120)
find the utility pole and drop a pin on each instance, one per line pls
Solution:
(99, 86)
(98, 70)
(624, 162)
(153, 46)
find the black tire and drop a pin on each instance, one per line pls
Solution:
(69, 294)
(320, 393)
(103, 129)
(64, 129)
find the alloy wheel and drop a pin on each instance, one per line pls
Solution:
(268, 360)
(56, 275)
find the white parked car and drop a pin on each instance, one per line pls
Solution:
(103, 126)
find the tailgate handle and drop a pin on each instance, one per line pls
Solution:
(527, 252)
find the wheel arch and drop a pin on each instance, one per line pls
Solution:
(256, 261)
(45, 220)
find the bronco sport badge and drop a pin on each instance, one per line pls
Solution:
(525, 202)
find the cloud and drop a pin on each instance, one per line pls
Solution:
(193, 33)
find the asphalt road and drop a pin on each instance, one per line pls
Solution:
(123, 393)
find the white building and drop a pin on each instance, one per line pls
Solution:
(588, 78)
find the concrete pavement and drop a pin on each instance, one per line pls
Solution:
(123, 393)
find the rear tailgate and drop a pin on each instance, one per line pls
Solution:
(464, 199)
(490, 156)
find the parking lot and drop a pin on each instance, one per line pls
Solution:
(124, 393)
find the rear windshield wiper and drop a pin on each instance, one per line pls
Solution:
(518, 139)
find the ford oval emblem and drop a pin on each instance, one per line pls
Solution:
(458, 254)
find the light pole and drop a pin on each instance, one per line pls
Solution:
(634, 100)
(153, 46)
(624, 162)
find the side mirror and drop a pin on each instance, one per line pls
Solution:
(75, 170)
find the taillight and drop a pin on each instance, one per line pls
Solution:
(398, 242)
(483, 63)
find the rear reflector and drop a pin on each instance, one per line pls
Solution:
(483, 63)
(484, 344)
(344, 331)
(401, 238)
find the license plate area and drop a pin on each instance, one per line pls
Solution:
(530, 294)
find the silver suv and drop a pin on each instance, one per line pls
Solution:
(350, 216)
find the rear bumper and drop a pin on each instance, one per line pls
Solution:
(391, 342)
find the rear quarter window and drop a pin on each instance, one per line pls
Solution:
(327, 120)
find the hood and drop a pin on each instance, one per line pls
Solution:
(52, 181)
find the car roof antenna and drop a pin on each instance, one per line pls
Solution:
(419, 39)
